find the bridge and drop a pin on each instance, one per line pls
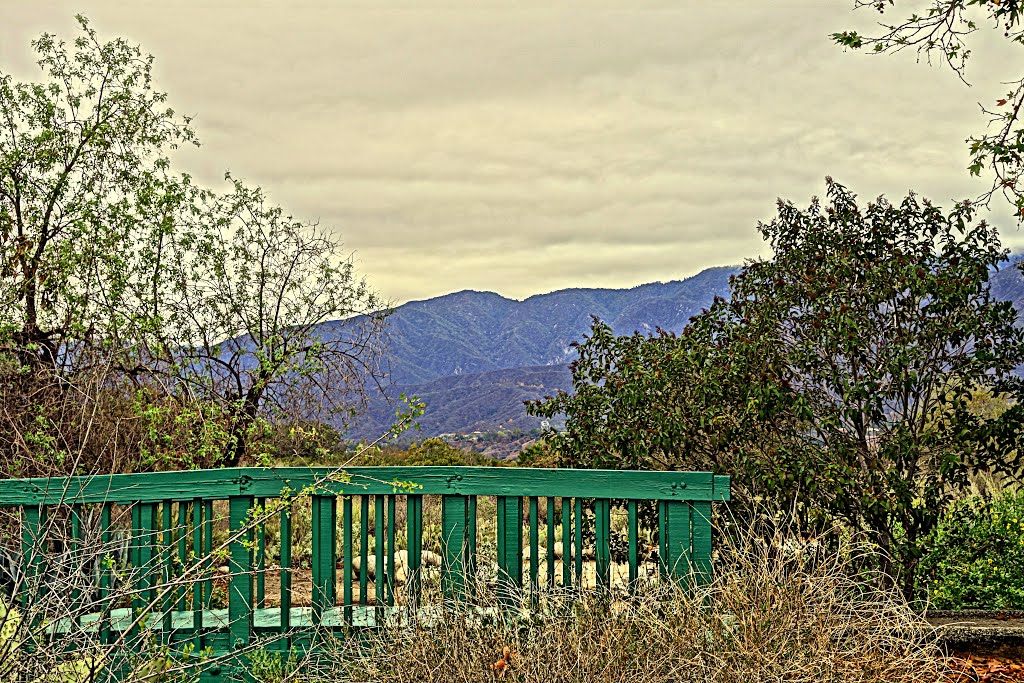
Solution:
(212, 565)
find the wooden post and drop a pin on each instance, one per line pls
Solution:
(325, 515)
(453, 540)
(510, 548)
(677, 539)
(240, 593)
(602, 544)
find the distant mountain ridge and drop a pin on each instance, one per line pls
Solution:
(469, 332)
(474, 357)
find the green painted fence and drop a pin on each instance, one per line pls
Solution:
(179, 527)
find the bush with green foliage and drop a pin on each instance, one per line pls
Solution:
(429, 452)
(976, 560)
(837, 383)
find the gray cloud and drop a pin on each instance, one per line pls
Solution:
(525, 146)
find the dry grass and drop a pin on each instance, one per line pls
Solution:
(778, 611)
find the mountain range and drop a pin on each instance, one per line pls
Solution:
(474, 357)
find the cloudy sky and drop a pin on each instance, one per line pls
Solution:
(526, 146)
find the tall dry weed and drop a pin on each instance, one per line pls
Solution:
(779, 609)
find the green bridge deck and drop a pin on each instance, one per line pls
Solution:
(181, 557)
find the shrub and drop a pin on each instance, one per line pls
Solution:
(429, 452)
(976, 559)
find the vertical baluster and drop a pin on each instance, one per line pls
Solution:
(662, 540)
(107, 563)
(182, 534)
(534, 550)
(201, 565)
(380, 576)
(261, 552)
(390, 585)
(578, 538)
(634, 540)
(453, 544)
(602, 543)
(701, 520)
(510, 548)
(364, 548)
(78, 568)
(240, 589)
(414, 538)
(677, 538)
(346, 579)
(471, 543)
(208, 550)
(566, 542)
(551, 542)
(134, 554)
(143, 531)
(167, 567)
(146, 554)
(286, 574)
(325, 516)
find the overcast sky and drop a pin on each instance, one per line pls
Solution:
(526, 146)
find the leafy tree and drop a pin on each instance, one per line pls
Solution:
(247, 289)
(942, 33)
(837, 381)
(76, 152)
(125, 287)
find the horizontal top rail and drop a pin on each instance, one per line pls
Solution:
(271, 482)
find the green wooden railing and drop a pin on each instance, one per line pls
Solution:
(179, 527)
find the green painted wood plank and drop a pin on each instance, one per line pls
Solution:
(364, 547)
(286, 568)
(534, 548)
(566, 542)
(677, 539)
(202, 564)
(602, 543)
(324, 524)
(346, 548)
(106, 569)
(182, 536)
(701, 521)
(208, 551)
(634, 539)
(662, 540)
(485, 481)
(261, 552)
(721, 486)
(578, 540)
(390, 575)
(551, 542)
(147, 555)
(510, 547)
(76, 559)
(453, 547)
(378, 551)
(414, 541)
(33, 551)
(240, 588)
(167, 564)
(134, 541)
(471, 526)
(266, 622)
